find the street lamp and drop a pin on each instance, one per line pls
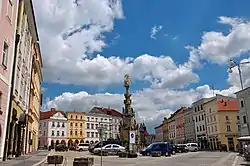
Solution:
(233, 64)
(101, 132)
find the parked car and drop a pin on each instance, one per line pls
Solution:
(110, 149)
(103, 143)
(163, 147)
(192, 147)
(82, 147)
(61, 148)
(181, 148)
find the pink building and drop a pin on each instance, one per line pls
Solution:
(8, 18)
(179, 118)
(172, 129)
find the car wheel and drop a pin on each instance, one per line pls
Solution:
(173, 152)
(80, 150)
(147, 154)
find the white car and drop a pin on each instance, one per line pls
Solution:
(192, 147)
(110, 148)
(82, 147)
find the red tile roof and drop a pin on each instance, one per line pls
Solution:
(109, 111)
(48, 114)
(227, 105)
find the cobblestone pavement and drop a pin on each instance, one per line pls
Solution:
(26, 160)
(184, 159)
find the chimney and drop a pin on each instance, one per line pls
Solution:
(53, 109)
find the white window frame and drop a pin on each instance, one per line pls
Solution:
(5, 54)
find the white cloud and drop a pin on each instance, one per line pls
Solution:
(219, 47)
(154, 30)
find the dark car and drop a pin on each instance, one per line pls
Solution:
(180, 148)
(61, 148)
(103, 143)
(163, 147)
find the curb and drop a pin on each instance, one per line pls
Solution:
(43, 160)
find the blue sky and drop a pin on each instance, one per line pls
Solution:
(183, 24)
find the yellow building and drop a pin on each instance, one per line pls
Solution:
(75, 127)
(35, 100)
(26, 35)
(165, 129)
(221, 118)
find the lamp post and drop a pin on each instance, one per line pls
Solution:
(101, 132)
(233, 64)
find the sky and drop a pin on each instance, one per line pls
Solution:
(176, 52)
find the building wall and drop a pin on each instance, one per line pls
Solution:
(53, 130)
(180, 126)
(243, 98)
(8, 17)
(189, 126)
(35, 100)
(159, 133)
(76, 127)
(115, 126)
(172, 130)
(165, 130)
(93, 121)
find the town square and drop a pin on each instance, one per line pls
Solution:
(119, 82)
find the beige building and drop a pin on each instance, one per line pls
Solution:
(75, 127)
(35, 100)
(221, 118)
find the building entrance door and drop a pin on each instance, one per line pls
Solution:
(230, 144)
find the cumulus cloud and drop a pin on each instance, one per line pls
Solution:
(219, 48)
(154, 30)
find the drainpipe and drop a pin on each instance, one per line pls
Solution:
(10, 99)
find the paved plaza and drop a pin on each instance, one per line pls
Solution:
(184, 159)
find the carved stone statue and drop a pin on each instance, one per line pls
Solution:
(127, 80)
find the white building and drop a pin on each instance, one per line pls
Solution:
(243, 98)
(115, 116)
(93, 121)
(52, 128)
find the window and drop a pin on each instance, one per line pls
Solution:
(53, 133)
(228, 128)
(63, 125)
(71, 124)
(195, 109)
(238, 118)
(210, 110)
(87, 125)
(202, 117)
(96, 119)
(71, 116)
(244, 119)
(227, 118)
(215, 128)
(200, 128)
(116, 146)
(80, 132)
(92, 134)
(62, 133)
(76, 124)
(1, 100)
(207, 119)
(196, 119)
(9, 11)
(201, 107)
(203, 127)
(76, 116)
(212, 128)
(44, 133)
(58, 124)
(71, 132)
(92, 126)
(5, 55)
(44, 124)
(96, 126)
(215, 118)
(80, 124)
(87, 118)
(211, 118)
(96, 134)
(242, 103)
(87, 134)
(81, 117)
(199, 118)
(75, 132)
(198, 108)
(109, 146)
(238, 127)
(57, 133)
(208, 129)
(53, 124)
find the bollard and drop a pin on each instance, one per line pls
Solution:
(55, 159)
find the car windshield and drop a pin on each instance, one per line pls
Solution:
(149, 146)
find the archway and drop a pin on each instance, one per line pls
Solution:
(70, 143)
(82, 141)
(57, 142)
(87, 142)
(76, 142)
(63, 142)
(52, 143)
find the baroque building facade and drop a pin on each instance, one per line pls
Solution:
(8, 18)
(52, 128)
(26, 37)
